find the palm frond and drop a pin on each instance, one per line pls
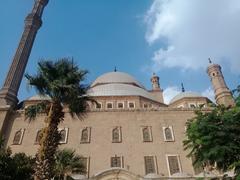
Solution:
(32, 110)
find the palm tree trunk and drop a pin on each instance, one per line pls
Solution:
(48, 145)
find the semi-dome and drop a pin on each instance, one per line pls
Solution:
(185, 95)
(116, 78)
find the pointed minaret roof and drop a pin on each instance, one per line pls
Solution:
(209, 60)
(183, 89)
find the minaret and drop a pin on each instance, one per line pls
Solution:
(156, 90)
(9, 91)
(155, 82)
(223, 95)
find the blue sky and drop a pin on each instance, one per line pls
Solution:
(138, 37)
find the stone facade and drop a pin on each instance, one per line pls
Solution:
(129, 130)
(131, 133)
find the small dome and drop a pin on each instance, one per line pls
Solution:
(185, 95)
(38, 98)
(116, 78)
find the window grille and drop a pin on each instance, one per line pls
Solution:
(149, 164)
(173, 163)
(18, 137)
(116, 135)
(38, 137)
(168, 133)
(115, 161)
(146, 134)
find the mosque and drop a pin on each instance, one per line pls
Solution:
(130, 134)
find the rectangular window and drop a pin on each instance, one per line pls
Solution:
(173, 164)
(131, 105)
(98, 105)
(86, 164)
(120, 105)
(149, 164)
(109, 105)
(192, 105)
(117, 161)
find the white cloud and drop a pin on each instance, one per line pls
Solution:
(194, 30)
(169, 93)
(209, 93)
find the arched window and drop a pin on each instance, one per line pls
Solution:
(146, 135)
(18, 137)
(85, 137)
(38, 137)
(116, 135)
(63, 135)
(168, 134)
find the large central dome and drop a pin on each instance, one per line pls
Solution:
(116, 78)
(118, 84)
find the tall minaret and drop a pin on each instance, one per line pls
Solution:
(223, 95)
(156, 90)
(9, 91)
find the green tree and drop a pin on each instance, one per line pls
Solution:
(23, 166)
(68, 162)
(60, 81)
(19, 166)
(213, 138)
(236, 93)
(7, 165)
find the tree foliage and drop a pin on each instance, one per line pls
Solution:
(68, 162)
(213, 138)
(62, 82)
(18, 166)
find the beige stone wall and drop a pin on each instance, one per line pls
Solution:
(101, 148)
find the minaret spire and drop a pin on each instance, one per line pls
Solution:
(183, 89)
(209, 60)
(9, 91)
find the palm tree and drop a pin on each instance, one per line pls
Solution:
(68, 162)
(60, 81)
